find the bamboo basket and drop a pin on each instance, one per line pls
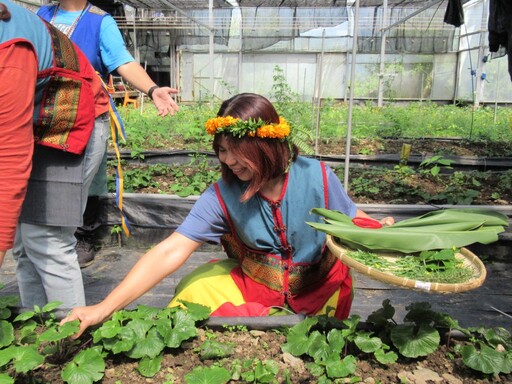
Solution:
(470, 260)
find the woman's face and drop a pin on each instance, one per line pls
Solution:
(237, 165)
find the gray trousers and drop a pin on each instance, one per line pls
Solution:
(47, 266)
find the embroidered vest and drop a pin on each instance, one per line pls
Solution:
(271, 240)
(64, 101)
(66, 114)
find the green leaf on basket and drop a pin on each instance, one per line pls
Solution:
(441, 229)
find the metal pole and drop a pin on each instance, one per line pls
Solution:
(479, 86)
(496, 93)
(317, 92)
(382, 52)
(211, 41)
(351, 97)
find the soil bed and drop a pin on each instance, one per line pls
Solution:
(438, 367)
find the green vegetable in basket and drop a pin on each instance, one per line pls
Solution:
(440, 229)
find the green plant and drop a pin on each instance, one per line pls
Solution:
(117, 231)
(39, 337)
(434, 164)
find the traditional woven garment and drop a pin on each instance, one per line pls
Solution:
(66, 112)
(282, 261)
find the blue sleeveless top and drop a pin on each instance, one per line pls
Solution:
(86, 34)
(273, 227)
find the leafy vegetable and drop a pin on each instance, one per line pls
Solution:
(441, 229)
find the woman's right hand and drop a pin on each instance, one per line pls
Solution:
(88, 316)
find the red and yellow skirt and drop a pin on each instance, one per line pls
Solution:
(213, 285)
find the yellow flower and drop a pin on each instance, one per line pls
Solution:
(251, 128)
(219, 122)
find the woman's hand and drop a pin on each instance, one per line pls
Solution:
(88, 316)
(387, 221)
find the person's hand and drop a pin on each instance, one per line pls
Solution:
(2, 255)
(88, 316)
(387, 221)
(165, 104)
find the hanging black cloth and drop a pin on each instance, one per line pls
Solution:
(454, 14)
(500, 29)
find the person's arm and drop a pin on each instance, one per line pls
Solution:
(116, 57)
(18, 71)
(162, 260)
(133, 73)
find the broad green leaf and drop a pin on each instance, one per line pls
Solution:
(486, 360)
(440, 229)
(6, 379)
(146, 312)
(366, 343)
(6, 355)
(297, 341)
(107, 330)
(6, 333)
(86, 368)
(332, 214)
(122, 342)
(315, 369)
(336, 340)
(51, 306)
(198, 312)
(5, 313)
(442, 216)
(26, 358)
(149, 367)
(384, 357)
(341, 368)
(318, 348)
(24, 316)
(498, 335)
(414, 341)
(148, 345)
(212, 349)
(266, 371)
(184, 329)
(60, 332)
(9, 301)
(208, 375)
(27, 334)
(381, 316)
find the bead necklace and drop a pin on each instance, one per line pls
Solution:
(73, 26)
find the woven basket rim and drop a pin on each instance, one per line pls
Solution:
(470, 259)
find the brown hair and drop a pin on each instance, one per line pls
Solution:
(4, 12)
(266, 158)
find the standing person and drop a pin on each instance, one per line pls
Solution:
(66, 106)
(18, 73)
(97, 35)
(258, 210)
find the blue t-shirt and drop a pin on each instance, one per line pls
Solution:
(113, 50)
(206, 221)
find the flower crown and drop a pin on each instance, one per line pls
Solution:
(252, 128)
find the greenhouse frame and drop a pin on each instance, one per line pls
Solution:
(405, 49)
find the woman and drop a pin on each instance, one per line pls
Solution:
(258, 210)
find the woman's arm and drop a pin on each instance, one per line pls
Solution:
(162, 260)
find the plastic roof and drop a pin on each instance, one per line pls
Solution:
(203, 4)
